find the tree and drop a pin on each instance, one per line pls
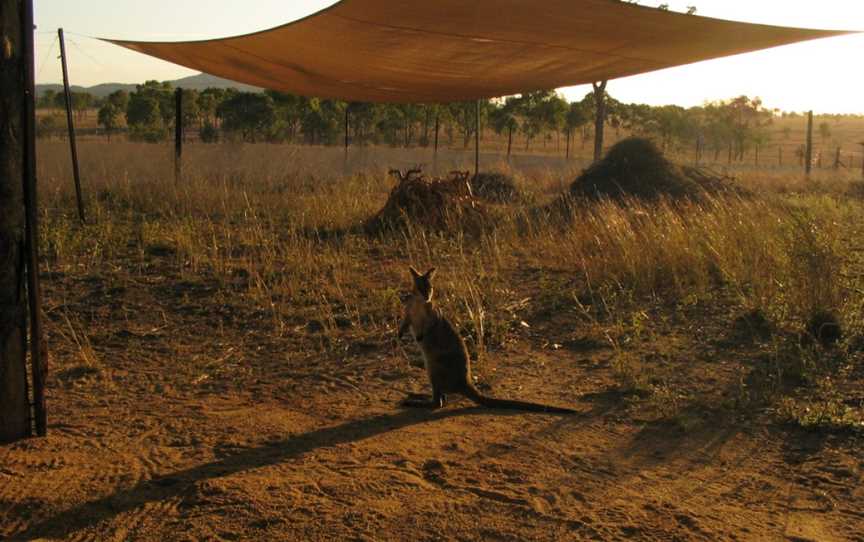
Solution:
(150, 111)
(322, 119)
(364, 117)
(112, 108)
(535, 112)
(463, 114)
(505, 118)
(191, 114)
(248, 113)
(599, 117)
(48, 100)
(109, 118)
(555, 115)
(81, 102)
(48, 125)
(577, 116)
(410, 114)
(208, 103)
(289, 114)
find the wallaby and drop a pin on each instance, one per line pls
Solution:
(444, 353)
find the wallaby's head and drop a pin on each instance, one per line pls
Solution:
(422, 283)
(418, 303)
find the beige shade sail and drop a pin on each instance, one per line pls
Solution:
(452, 50)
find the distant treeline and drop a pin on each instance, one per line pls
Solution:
(214, 114)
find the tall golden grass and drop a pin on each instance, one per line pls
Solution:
(278, 227)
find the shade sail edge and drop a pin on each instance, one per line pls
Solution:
(400, 53)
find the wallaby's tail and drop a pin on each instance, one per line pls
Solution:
(472, 393)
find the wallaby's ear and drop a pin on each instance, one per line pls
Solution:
(414, 273)
(429, 274)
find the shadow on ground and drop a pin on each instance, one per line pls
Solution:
(179, 483)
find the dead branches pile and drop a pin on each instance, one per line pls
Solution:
(430, 203)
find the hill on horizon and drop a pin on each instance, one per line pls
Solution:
(196, 82)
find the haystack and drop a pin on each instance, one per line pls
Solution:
(636, 168)
(430, 203)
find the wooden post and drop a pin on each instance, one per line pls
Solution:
(477, 138)
(599, 118)
(346, 132)
(435, 145)
(566, 153)
(435, 148)
(178, 135)
(19, 249)
(71, 125)
(862, 158)
(14, 397)
(780, 155)
(38, 350)
(837, 159)
(808, 151)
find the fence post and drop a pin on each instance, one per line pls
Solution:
(862, 158)
(477, 138)
(808, 151)
(178, 135)
(71, 125)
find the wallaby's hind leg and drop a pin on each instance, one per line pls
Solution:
(421, 401)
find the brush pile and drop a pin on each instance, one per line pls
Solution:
(635, 168)
(495, 187)
(430, 203)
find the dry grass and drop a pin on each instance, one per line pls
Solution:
(224, 362)
(276, 227)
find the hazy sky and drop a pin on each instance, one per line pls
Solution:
(825, 75)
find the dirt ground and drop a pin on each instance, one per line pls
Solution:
(197, 423)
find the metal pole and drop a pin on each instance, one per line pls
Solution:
(38, 349)
(477, 139)
(71, 125)
(808, 153)
(178, 134)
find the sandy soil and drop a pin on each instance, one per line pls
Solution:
(196, 423)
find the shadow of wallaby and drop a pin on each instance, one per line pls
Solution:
(182, 482)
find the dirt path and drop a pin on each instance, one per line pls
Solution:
(350, 465)
(193, 422)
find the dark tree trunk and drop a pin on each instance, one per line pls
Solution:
(567, 154)
(14, 401)
(599, 118)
